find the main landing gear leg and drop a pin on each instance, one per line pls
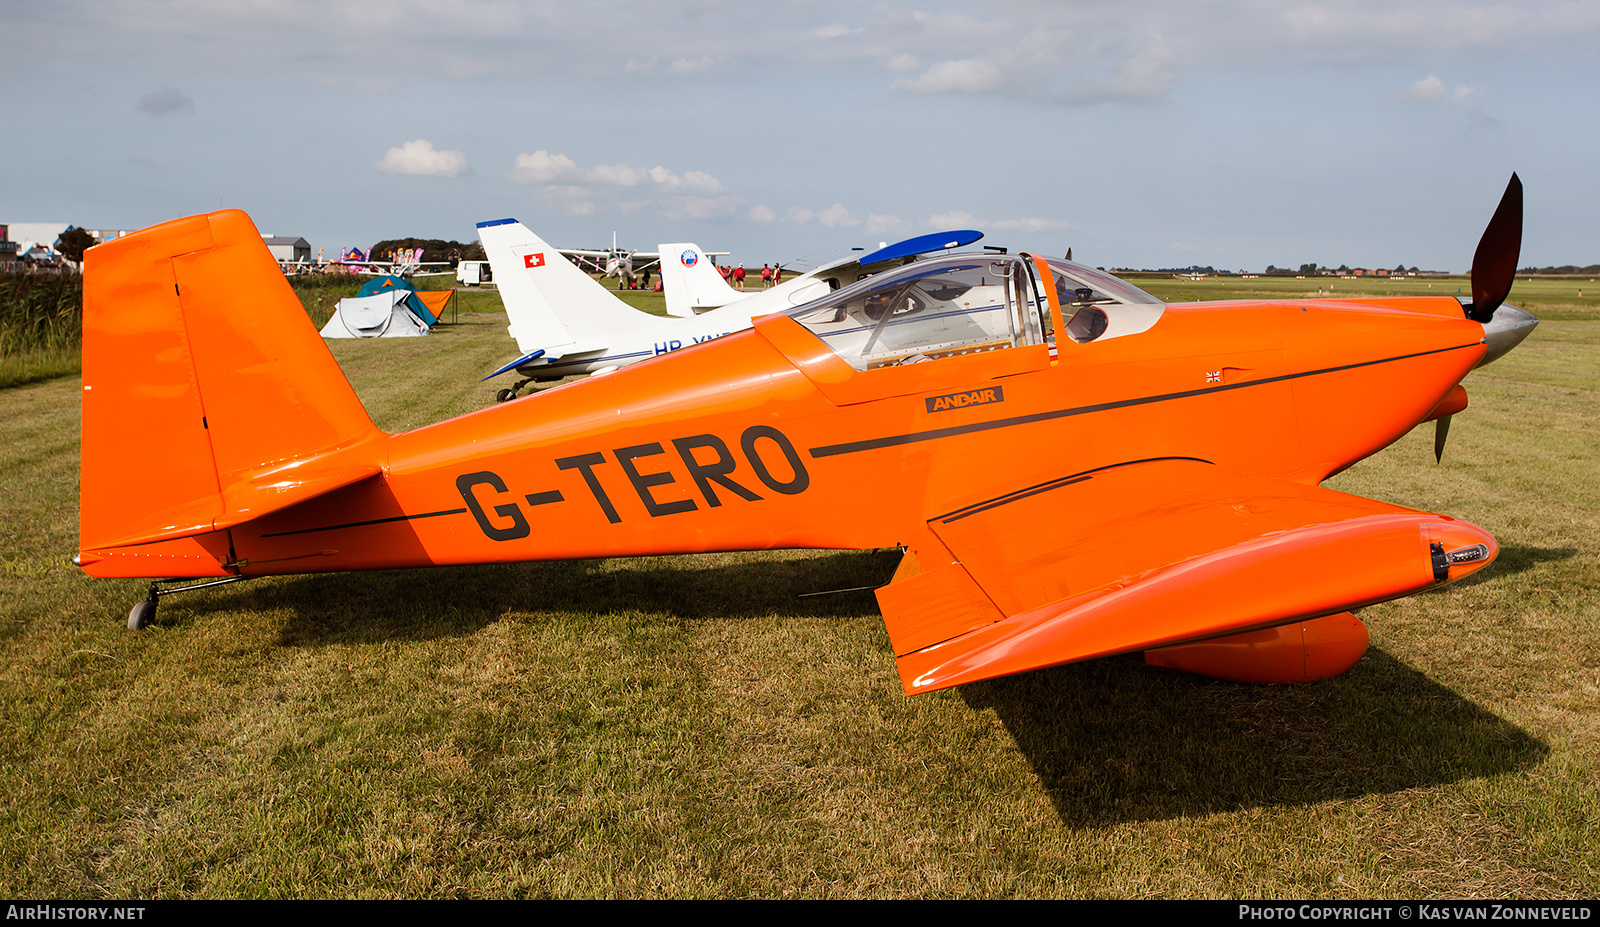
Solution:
(144, 612)
(506, 395)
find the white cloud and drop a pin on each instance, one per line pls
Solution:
(691, 65)
(622, 187)
(836, 216)
(1024, 225)
(1088, 51)
(1428, 90)
(762, 214)
(544, 167)
(419, 159)
(965, 220)
(1040, 48)
(164, 101)
(968, 75)
(1432, 90)
(880, 224)
(950, 220)
(1145, 77)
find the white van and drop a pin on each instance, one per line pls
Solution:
(474, 273)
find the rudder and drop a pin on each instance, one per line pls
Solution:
(552, 304)
(691, 282)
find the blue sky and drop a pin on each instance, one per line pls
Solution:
(1234, 133)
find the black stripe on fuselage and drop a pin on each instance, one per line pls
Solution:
(1046, 486)
(872, 444)
(363, 524)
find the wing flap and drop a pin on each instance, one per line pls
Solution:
(1155, 553)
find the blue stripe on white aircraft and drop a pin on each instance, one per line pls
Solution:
(565, 323)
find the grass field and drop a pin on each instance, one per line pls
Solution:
(1552, 298)
(689, 726)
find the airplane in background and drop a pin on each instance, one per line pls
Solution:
(565, 323)
(1073, 468)
(620, 262)
(692, 284)
(408, 263)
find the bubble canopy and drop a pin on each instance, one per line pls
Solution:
(968, 303)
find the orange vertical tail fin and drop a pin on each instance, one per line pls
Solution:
(208, 396)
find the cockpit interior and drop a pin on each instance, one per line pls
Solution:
(970, 303)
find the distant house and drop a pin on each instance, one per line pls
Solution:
(10, 256)
(288, 250)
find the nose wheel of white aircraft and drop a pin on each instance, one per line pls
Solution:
(144, 611)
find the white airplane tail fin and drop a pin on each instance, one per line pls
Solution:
(691, 282)
(551, 303)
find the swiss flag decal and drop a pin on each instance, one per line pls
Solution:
(533, 260)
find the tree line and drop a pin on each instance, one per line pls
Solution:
(433, 250)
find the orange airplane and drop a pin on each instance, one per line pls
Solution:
(1146, 481)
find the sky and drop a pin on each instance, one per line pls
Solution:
(1231, 133)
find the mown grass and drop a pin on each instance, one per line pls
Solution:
(690, 727)
(1557, 298)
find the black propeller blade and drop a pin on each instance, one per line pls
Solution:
(1494, 264)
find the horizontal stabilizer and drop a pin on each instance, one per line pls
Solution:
(524, 359)
(1154, 553)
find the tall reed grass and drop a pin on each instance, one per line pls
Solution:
(41, 319)
(41, 326)
(40, 311)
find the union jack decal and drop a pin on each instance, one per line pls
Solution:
(1213, 376)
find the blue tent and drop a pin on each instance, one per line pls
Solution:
(380, 285)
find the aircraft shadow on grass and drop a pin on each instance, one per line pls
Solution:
(1114, 741)
(1111, 740)
(391, 605)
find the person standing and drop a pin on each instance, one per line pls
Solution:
(766, 276)
(738, 277)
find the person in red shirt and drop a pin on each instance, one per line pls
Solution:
(738, 277)
(766, 276)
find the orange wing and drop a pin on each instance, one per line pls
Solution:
(1147, 554)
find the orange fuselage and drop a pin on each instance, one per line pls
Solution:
(763, 439)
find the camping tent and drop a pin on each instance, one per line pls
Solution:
(385, 315)
(379, 285)
(438, 301)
